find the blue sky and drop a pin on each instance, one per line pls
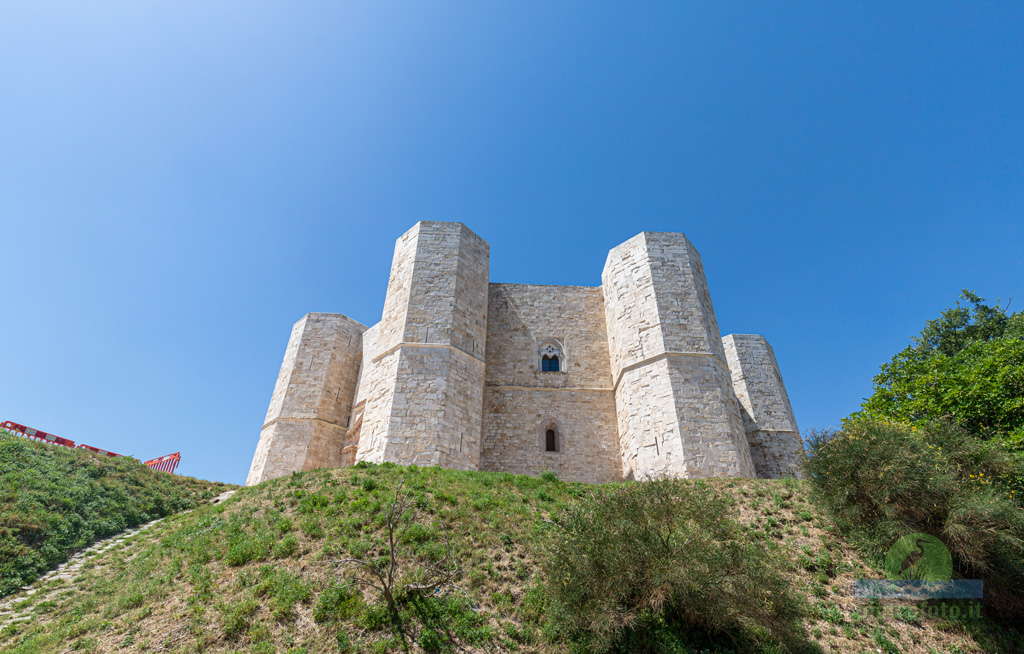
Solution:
(181, 181)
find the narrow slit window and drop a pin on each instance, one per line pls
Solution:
(550, 441)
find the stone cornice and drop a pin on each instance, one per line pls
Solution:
(513, 387)
(665, 355)
(439, 346)
(292, 419)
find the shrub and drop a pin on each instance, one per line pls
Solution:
(236, 617)
(337, 602)
(283, 588)
(653, 566)
(881, 481)
(286, 547)
(244, 547)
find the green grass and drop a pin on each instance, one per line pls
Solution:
(270, 570)
(55, 501)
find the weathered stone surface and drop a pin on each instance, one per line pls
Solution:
(775, 444)
(521, 402)
(425, 400)
(453, 373)
(305, 424)
(676, 411)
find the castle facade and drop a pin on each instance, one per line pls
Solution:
(627, 380)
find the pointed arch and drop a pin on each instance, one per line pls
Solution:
(551, 356)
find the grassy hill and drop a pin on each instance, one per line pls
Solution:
(55, 501)
(286, 567)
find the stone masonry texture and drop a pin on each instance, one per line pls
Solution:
(775, 444)
(521, 402)
(452, 374)
(306, 421)
(426, 403)
(677, 414)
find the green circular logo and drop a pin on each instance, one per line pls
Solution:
(920, 557)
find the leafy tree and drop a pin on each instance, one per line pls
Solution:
(966, 366)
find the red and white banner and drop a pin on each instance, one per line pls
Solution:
(166, 463)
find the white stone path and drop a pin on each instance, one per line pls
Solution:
(10, 612)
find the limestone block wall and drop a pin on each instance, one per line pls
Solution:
(437, 290)
(677, 414)
(423, 400)
(451, 374)
(775, 444)
(521, 402)
(369, 384)
(308, 414)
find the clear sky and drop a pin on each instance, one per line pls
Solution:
(180, 181)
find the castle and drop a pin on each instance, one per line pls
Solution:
(627, 380)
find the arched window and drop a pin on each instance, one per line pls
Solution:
(549, 436)
(550, 440)
(552, 358)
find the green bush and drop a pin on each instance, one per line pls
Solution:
(244, 547)
(659, 565)
(286, 547)
(237, 617)
(881, 481)
(339, 601)
(283, 589)
(55, 501)
(966, 366)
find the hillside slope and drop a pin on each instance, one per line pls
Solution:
(55, 501)
(272, 570)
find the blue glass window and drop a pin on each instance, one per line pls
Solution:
(549, 363)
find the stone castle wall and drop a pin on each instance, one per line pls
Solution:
(425, 400)
(677, 414)
(775, 444)
(371, 390)
(521, 402)
(451, 374)
(305, 425)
